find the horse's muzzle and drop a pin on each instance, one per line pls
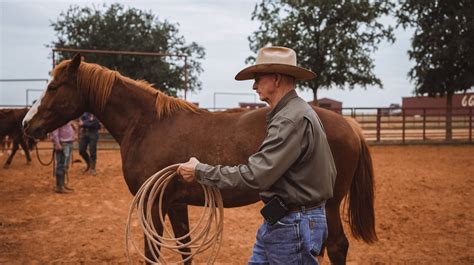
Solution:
(37, 132)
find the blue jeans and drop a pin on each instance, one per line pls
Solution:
(89, 138)
(62, 162)
(296, 239)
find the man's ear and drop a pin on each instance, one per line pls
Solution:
(277, 80)
(75, 62)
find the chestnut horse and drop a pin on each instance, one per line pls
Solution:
(155, 130)
(10, 124)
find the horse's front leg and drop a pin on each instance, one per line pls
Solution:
(169, 198)
(25, 148)
(10, 158)
(178, 214)
(159, 229)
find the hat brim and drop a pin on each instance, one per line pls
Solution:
(298, 73)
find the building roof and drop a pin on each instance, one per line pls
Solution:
(328, 100)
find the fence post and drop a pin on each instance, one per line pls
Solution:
(470, 125)
(378, 124)
(424, 124)
(403, 125)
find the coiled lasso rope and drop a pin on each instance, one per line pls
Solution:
(201, 236)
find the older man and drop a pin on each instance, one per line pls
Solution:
(293, 170)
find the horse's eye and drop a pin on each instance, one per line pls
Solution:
(52, 88)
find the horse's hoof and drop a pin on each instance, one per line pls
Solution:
(6, 166)
(86, 169)
(28, 163)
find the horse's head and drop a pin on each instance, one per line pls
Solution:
(60, 102)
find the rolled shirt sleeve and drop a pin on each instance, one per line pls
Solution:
(278, 152)
(55, 137)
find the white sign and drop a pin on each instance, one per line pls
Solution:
(467, 101)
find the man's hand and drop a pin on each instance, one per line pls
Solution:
(58, 147)
(186, 170)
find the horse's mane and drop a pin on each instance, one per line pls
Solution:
(97, 81)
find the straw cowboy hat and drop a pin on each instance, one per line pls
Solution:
(276, 60)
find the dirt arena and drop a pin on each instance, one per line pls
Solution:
(424, 212)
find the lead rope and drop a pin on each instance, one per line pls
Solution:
(201, 237)
(39, 159)
(48, 163)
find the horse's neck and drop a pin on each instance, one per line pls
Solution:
(126, 106)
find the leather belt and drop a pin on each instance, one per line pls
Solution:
(294, 209)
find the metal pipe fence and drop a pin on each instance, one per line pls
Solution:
(30, 82)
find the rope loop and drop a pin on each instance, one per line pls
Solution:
(39, 159)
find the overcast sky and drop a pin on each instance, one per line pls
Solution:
(222, 27)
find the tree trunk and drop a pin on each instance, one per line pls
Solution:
(315, 96)
(449, 116)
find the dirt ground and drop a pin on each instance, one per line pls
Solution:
(424, 212)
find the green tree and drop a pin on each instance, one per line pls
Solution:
(333, 38)
(442, 47)
(129, 29)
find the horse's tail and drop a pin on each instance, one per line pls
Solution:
(361, 197)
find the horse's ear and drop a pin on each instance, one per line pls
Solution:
(76, 61)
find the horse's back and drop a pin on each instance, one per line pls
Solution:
(227, 138)
(10, 122)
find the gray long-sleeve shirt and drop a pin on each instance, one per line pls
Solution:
(293, 162)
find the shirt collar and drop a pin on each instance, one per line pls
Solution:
(282, 103)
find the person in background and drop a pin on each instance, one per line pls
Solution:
(89, 136)
(63, 139)
(6, 143)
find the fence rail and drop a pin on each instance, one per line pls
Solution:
(413, 125)
(384, 126)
